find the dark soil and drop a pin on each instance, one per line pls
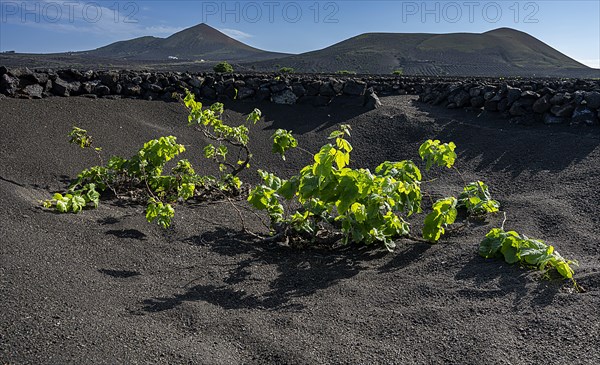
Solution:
(105, 287)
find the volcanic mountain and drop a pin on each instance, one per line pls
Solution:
(500, 52)
(201, 42)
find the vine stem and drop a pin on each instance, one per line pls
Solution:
(578, 288)
(259, 218)
(429, 196)
(244, 229)
(211, 222)
(246, 209)
(503, 221)
(148, 186)
(417, 239)
(99, 155)
(242, 146)
(239, 213)
(460, 175)
(305, 150)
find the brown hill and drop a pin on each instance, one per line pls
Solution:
(500, 52)
(201, 42)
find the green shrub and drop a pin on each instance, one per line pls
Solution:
(286, 70)
(398, 72)
(223, 67)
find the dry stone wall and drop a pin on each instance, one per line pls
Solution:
(523, 101)
(526, 101)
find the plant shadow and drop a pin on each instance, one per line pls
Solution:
(508, 279)
(300, 273)
(403, 258)
(122, 274)
(127, 233)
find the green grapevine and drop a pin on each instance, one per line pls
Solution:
(80, 137)
(159, 212)
(477, 199)
(444, 213)
(75, 200)
(364, 206)
(283, 141)
(515, 248)
(434, 152)
(143, 173)
(351, 205)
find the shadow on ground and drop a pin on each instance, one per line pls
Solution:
(301, 273)
(508, 279)
(524, 148)
(302, 119)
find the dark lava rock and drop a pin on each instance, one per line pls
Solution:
(286, 96)
(371, 99)
(74, 88)
(563, 110)
(40, 78)
(337, 85)
(326, 89)
(263, 93)
(278, 87)
(476, 91)
(557, 99)
(154, 88)
(513, 94)
(101, 90)
(245, 93)
(354, 87)
(578, 96)
(109, 79)
(61, 87)
(542, 105)
(584, 115)
(298, 89)
(518, 109)
(8, 85)
(461, 99)
(89, 96)
(551, 119)
(86, 88)
(592, 99)
(208, 92)
(491, 105)
(34, 91)
(530, 95)
(489, 95)
(477, 102)
(137, 80)
(132, 90)
(313, 88)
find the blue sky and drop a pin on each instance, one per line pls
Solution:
(572, 27)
